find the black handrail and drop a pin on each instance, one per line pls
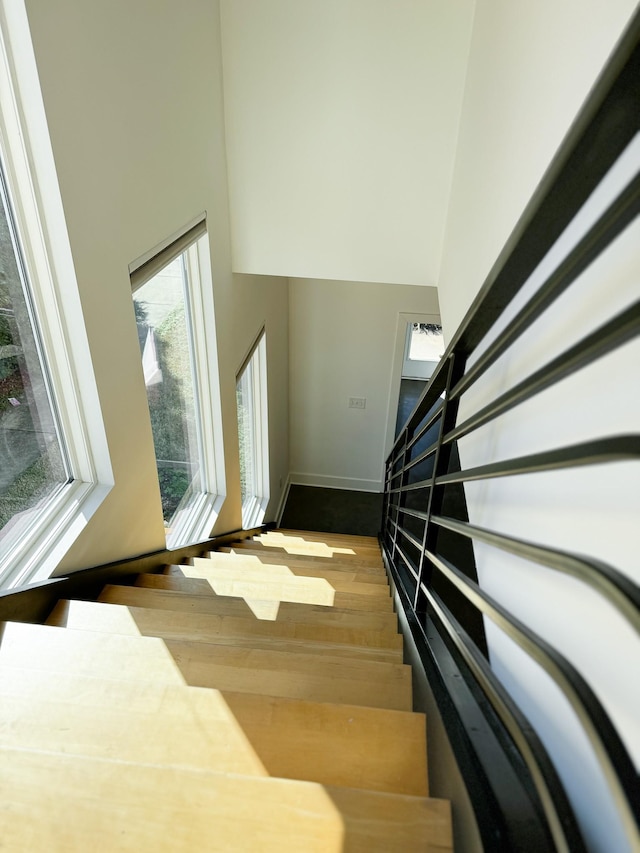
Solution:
(418, 475)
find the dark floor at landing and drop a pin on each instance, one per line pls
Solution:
(332, 511)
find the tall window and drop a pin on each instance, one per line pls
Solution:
(55, 468)
(251, 396)
(182, 400)
(33, 459)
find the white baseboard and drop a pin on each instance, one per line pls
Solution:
(283, 501)
(297, 478)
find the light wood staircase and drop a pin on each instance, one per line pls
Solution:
(252, 700)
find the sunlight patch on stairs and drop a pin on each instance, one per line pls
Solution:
(258, 585)
(300, 547)
(266, 611)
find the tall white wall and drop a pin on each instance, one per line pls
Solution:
(343, 342)
(133, 96)
(342, 118)
(531, 66)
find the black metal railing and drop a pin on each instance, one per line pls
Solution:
(519, 801)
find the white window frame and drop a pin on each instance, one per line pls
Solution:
(196, 520)
(254, 506)
(39, 219)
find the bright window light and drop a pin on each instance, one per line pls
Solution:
(181, 393)
(251, 396)
(34, 461)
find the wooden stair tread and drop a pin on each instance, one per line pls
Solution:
(176, 597)
(333, 537)
(294, 675)
(346, 745)
(195, 627)
(313, 568)
(60, 803)
(117, 656)
(362, 545)
(82, 715)
(315, 552)
(216, 624)
(269, 583)
(370, 583)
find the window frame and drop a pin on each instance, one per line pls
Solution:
(255, 505)
(38, 220)
(196, 520)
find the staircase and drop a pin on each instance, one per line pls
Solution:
(253, 699)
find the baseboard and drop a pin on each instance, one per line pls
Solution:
(323, 481)
(283, 501)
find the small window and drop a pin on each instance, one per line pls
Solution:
(424, 346)
(251, 396)
(183, 401)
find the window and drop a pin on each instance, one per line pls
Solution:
(34, 460)
(424, 346)
(175, 342)
(54, 461)
(251, 397)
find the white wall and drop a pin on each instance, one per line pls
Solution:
(343, 342)
(531, 66)
(133, 97)
(341, 126)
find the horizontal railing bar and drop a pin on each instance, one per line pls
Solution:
(426, 425)
(608, 337)
(412, 487)
(409, 536)
(407, 562)
(519, 728)
(610, 752)
(614, 449)
(400, 454)
(434, 389)
(467, 653)
(420, 457)
(415, 513)
(614, 220)
(619, 590)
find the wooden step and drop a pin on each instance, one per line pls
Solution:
(293, 675)
(363, 574)
(348, 745)
(200, 598)
(355, 565)
(220, 625)
(62, 803)
(134, 722)
(269, 583)
(337, 540)
(43, 647)
(348, 556)
(297, 676)
(197, 627)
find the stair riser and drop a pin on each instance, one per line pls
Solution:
(205, 601)
(118, 619)
(164, 809)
